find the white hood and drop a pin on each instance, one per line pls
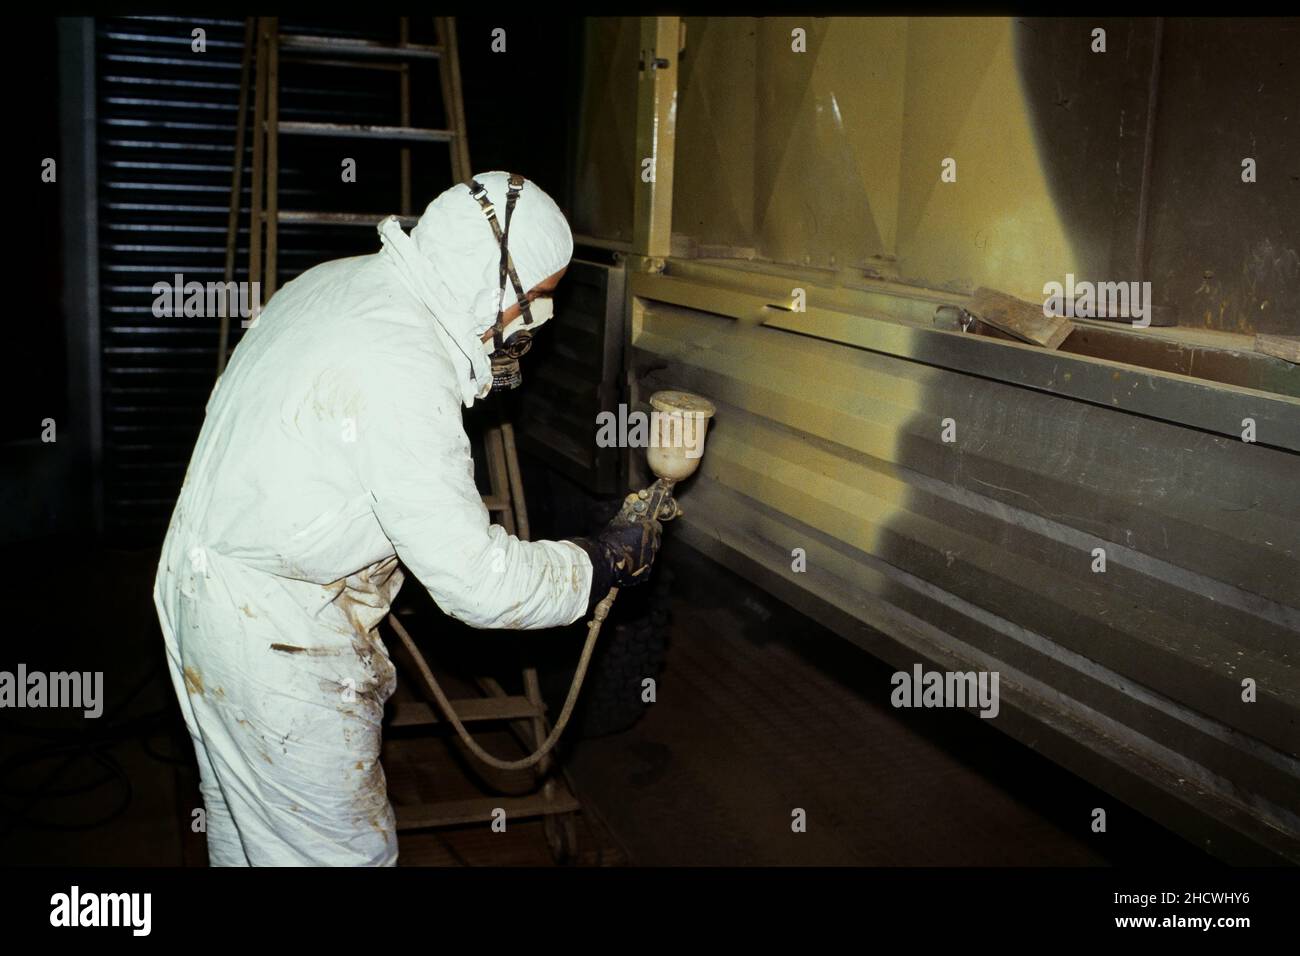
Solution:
(451, 261)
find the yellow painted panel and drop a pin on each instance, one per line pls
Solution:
(997, 224)
(828, 141)
(831, 158)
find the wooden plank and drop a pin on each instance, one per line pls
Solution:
(315, 217)
(953, 318)
(366, 131)
(272, 264)
(495, 454)
(521, 729)
(404, 116)
(1019, 318)
(452, 98)
(481, 809)
(1279, 346)
(515, 479)
(236, 184)
(349, 47)
(375, 66)
(416, 713)
(257, 212)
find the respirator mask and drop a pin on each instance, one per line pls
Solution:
(509, 343)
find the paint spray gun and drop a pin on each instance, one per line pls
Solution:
(678, 424)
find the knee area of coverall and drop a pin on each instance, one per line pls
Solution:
(288, 741)
(301, 782)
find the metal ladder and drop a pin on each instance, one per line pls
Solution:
(263, 43)
(260, 68)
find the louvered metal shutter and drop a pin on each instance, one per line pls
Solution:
(166, 133)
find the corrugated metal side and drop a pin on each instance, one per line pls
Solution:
(978, 554)
(166, 133)
(573, 374)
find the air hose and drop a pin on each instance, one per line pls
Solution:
(593, 632)
(656, 500)
(679, 426)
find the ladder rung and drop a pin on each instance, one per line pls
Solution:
(481, 809)
(309, 217)
(381, 65)
(416, 713)
(358, 131)
(350, 47)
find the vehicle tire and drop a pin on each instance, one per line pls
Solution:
(632, 645)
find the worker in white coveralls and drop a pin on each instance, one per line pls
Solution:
(332, 448)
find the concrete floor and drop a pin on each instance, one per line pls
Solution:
(782, 735)
(759, 712)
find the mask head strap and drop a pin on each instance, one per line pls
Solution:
(507, 269)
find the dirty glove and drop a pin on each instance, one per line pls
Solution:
(621, 555)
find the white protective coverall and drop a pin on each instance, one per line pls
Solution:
(333, 447)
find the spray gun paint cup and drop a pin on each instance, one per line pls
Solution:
(677, 428)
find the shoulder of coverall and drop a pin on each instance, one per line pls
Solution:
(409, 422)
(405, 365)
